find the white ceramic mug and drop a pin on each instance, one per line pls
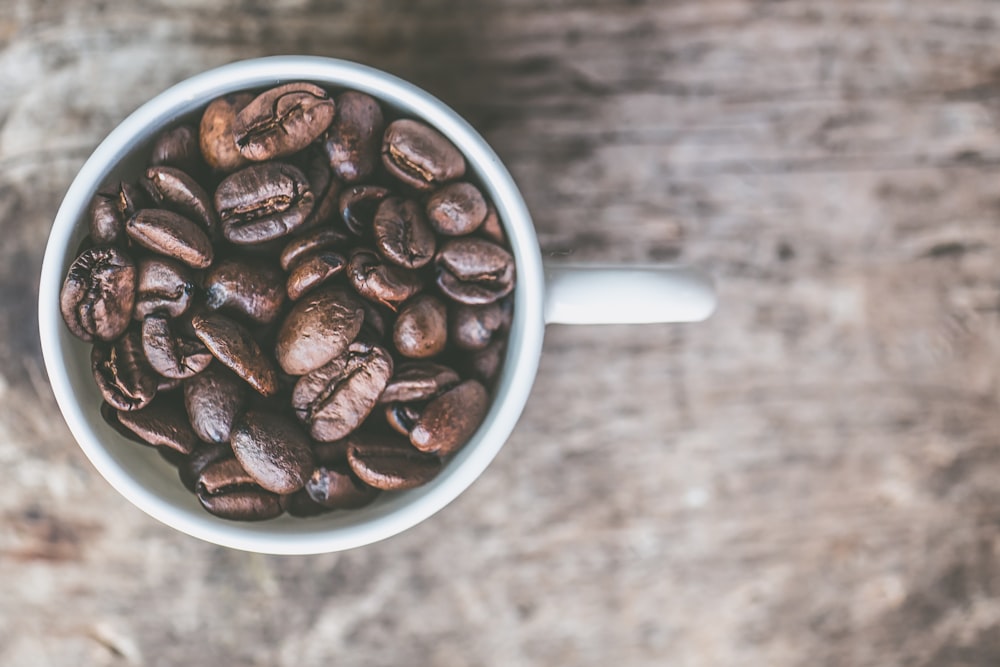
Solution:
(543, 295)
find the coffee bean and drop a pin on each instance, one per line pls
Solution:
(171, 188)
(263, 202)
(484, 365)
(172, 235)
(336, 487)
(215, 136)
(418, 381)
(162, 423)
(164, 286)
(189, 469)
(170, 353)
(402, 234)
(474, 271)
(250, 287)
(273, 450)
(383, 283)
(318, 328)
(122, 373)
(321, 238)
(473, 327)
(226, 490)
(282, 121)
(492, 229)
(177, 147)
(110, 209)
(313, 271)
(353, 140)
(98, 294)
(402, 417)
(391, 465)
(110, 416)
(212, 399)
(421, 330)
(419, 155)
(165, 384)
(449, 420)
(358, 205)
(235, 348)
(456, 209)
(374, 325)
(325, 188)
(335, 398)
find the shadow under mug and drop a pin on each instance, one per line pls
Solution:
(543, 295)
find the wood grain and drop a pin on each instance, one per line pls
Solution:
(812, 477)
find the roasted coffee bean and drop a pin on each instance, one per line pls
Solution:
(420, 156)
(162, 423)
(402, 417)
(165, 384)
(322, 238)
(212, 399)
(172, 235)
(235, 348)
(164, 286)
(484, 365)
(171, 353)
(122, 374)
(98, 294)
(251, 287)
(392, 465)
(263, 202)
(190, 467)
(474, 271)
(226, 490)
(402, 234)
(335, 398)
(374, 325)
(456, 209)
(473, 327)
(336, 487)
(318, 328)
(421, 329)
(325, 188)
(418, 381)
(177, 147)
(215, 136)
(172, 188)
(492, 229)
(110, 416)
(358, 205)
(274, 450)
(353, 140)
(383, 283)
(449, 420)
(282, 121)
(110, 209)
(313, 271)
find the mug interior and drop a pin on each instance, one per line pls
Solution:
(139, 473)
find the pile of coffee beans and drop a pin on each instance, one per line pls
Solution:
(301, 302)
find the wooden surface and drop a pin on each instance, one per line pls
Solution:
(810, 478)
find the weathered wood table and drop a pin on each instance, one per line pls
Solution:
(810, 478)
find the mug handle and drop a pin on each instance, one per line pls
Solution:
(626, 294)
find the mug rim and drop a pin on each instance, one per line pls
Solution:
(287, 535)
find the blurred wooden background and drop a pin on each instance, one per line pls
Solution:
(810, 478)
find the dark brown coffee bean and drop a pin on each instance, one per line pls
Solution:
(215, 136)
(321, 238)
(282, 121)
(420, 156)
(273, 450)
(335, 398)
(122, 374)
(484, 365)
(336, 487)
(353, 140)
(170, 353)
(358, 205)
(212, 399)
(189, 470)
(318, 328)
(421, 330)
(162, 423)
(492, 229)
(383, 283)
(165, 384)
(325, 188)
(251, 287)
(110, 209)
(313, 271)
(98, 294)
(263, 202)
(473, 327)
(392, 466)
(164, 286)
(172, 235)
(402, 417)
(235, 348)
(449, 420)
(474, 271)
(402, 234)
(226, 490)
(374, 325)
(418, 381)
(456, 209)
(172, 188)
(110, 416)
(177, 147)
